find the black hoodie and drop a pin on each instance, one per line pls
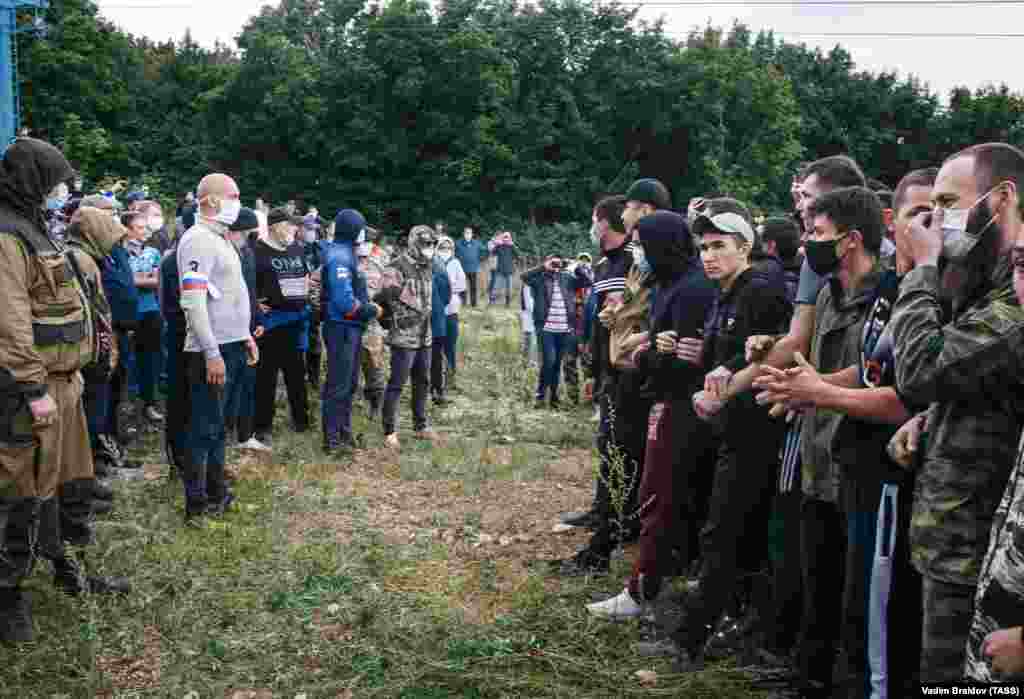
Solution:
(684, 296)
(30, 169)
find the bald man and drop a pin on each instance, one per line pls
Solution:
(215, 300)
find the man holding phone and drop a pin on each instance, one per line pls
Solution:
(554, 315)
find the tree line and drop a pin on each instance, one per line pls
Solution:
(493, 111)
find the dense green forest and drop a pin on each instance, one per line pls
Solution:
(485, 109)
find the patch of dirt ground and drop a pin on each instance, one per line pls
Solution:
(491, 534)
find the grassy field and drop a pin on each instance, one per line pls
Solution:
(394, 575)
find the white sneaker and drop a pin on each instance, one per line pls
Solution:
(392, 441)
(597, 416)
(254, 445)
(621, 606)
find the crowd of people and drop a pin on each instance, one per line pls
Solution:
(814, 416)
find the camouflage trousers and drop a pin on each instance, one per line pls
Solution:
(948, 614)
(373, 358)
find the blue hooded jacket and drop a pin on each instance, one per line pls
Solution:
(119, 287)
(342, 286)
(442, 296)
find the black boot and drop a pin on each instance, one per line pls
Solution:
(101, 491)
(15, 616)
(76, 500)
(19, 531)
(70, 577)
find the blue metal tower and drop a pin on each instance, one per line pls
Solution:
(10, 105)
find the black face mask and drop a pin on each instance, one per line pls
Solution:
(822, 256)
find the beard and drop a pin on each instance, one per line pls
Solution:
(965, 282)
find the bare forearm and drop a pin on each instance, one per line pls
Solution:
(847, 378)
(882, 405)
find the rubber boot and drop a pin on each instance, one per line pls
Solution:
(76, 500)
(71, 578)
(19, 526)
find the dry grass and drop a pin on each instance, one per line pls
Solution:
(405, 575)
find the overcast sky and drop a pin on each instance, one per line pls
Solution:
(942, 62)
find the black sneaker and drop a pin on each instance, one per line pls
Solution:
(586, 520)
(586, 562)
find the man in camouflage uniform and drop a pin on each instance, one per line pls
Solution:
(968, 450)
(373, 353)
(405, 296)
(46, 336)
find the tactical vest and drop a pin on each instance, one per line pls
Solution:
(62, 327)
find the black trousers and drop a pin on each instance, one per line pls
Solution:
(437, 367)
(471, 282)
(783, 626)
(279, 352)
(734, 540)
(823, 546)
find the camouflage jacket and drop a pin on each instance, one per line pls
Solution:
(969, 371)
(405, 296)
(374, 273)
(1000, 594)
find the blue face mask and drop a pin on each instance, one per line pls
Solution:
(55, 203)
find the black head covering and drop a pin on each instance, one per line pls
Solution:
(668, 245)
(29, 171)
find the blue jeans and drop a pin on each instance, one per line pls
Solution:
(553, 347)
(204, 452)
(343, 345)
(241, 404)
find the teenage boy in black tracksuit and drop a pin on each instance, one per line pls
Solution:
(734, 539)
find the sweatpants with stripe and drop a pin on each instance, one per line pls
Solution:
(881, 629)
(783, 628)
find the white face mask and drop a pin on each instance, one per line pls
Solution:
(229, 209)
(444, 254)
(154, 224)
(595, 236)
(428, 252)
(363, 249)
(957, 243)
(309, 235)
